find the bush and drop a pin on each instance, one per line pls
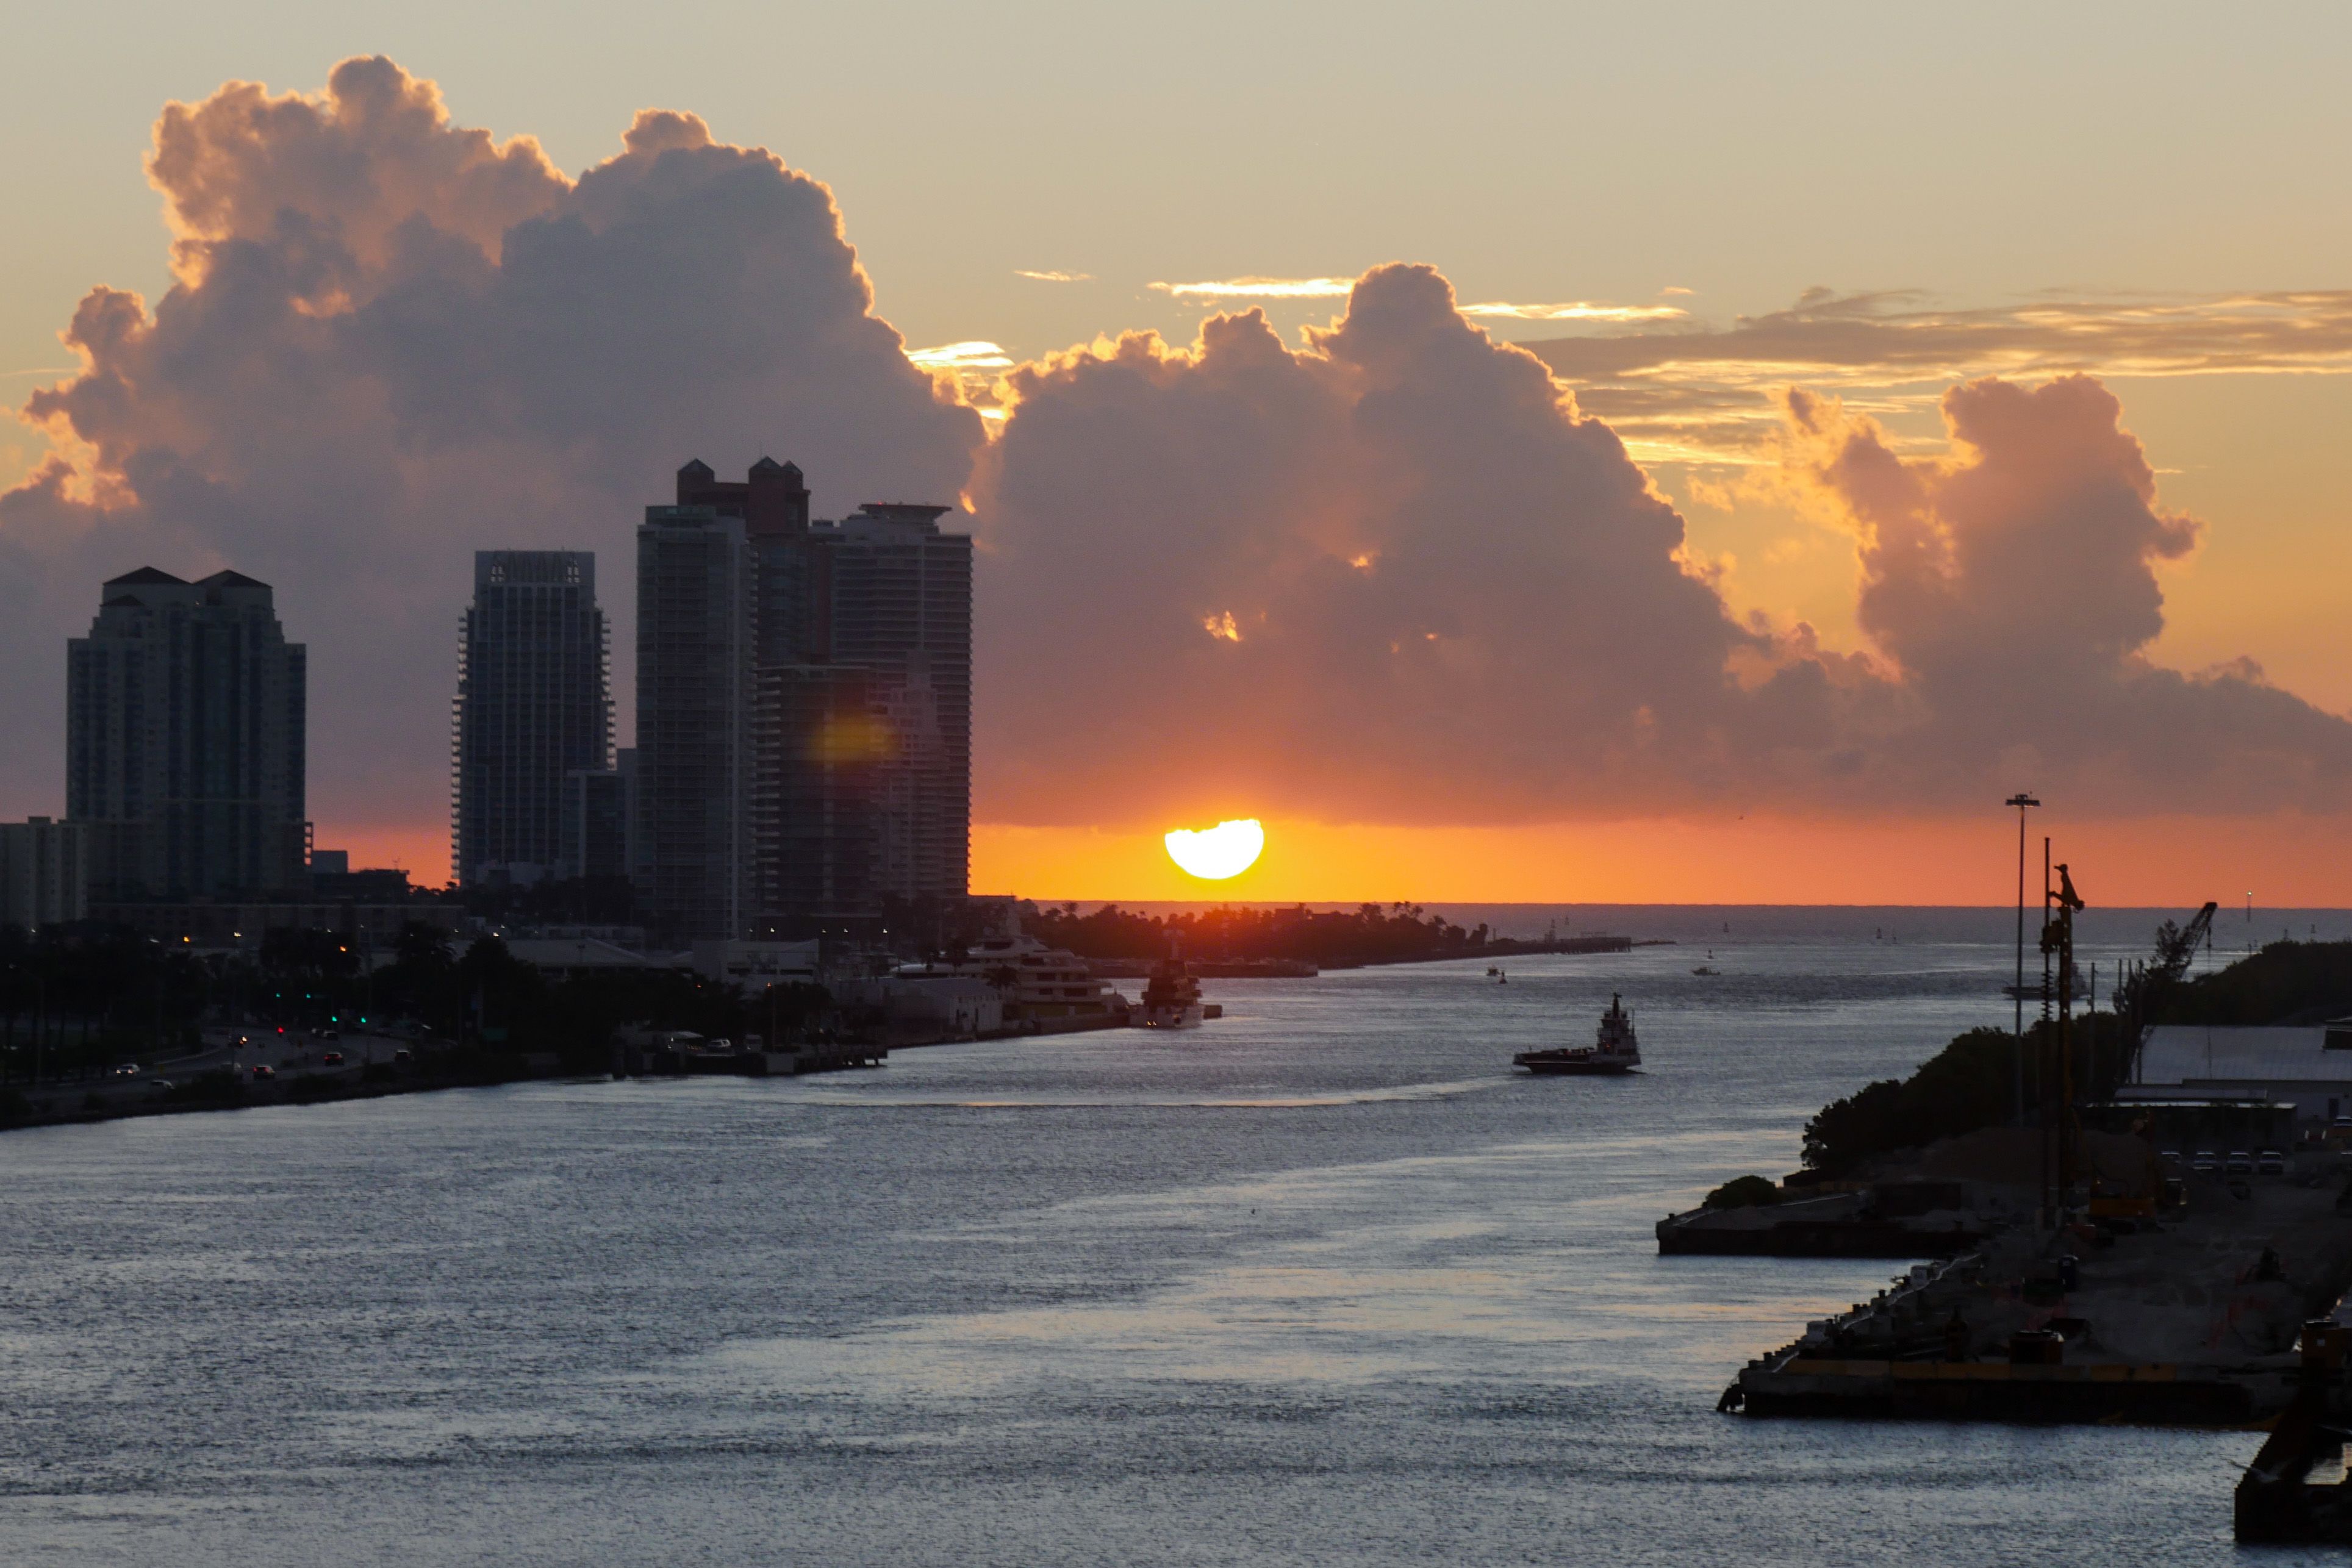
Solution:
(14, 1106)
(1744, 1192)
(1970, 1083)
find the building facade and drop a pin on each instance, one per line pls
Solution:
(900, 609)
(855, 719)
(186, 728)
(534, 706)
(692, 844)
(43, 872)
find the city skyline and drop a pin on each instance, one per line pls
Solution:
(1523, 640)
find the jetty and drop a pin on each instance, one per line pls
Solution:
(2187, 1317)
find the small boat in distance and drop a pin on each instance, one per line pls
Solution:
(1613, 1052)
(1707, 970)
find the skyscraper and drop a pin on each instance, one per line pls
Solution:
(900, 609)
(859, 719)
(692, 845)
(185, 728)
(534, 705)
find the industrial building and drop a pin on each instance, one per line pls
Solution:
(2309, 1067)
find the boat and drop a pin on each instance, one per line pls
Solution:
(1707, 970)
(1614, 1051)
(1171, 998)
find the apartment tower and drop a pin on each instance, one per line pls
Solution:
(534, 707)
(185, 732)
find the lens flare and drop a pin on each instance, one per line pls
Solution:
(1215, 854)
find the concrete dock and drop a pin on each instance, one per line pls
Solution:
(2190, 1318)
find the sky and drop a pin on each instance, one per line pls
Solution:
(1741, 582)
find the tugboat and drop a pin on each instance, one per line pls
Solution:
(1172, 997)
(1613, 1052)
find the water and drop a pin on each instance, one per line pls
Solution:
(1319, 1283)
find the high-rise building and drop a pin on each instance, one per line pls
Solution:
(900, 609)
(534, 705)
(856, 729)
(43, 872)
(186, 729)
(596, 822)
(692, 842)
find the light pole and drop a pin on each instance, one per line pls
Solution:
(2021, 801)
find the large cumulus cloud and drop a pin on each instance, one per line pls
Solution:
(392, 341)
(1394, 573)
(2011, 584)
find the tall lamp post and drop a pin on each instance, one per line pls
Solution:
(2021, 801)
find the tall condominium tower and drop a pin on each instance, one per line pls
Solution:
(692, 843)
(534, 705)
(186, 727)
(901, 609)
(860, 701)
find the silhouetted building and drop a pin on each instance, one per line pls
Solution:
(858, 707)
(900, 608)
(534, 706)
(691, 847)
(185, 728)
(43, 872)
(596, 822)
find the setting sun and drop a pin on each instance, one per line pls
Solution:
(1215, 854)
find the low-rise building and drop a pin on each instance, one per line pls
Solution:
(753, 965)
(43, 872)
(2308, 1065)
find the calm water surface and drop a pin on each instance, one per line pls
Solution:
(1321, 1283)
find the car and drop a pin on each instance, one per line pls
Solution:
(2341, 1125)
(329, 1034)
(263, 1070)
(160, 1083)
(128, 1070)
(2171, 1159)
(332, 1059)
(402, 1054)
(2271, 1162)
(2206, 1163)
(2240, 1163)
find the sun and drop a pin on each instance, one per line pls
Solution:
(1215, 854)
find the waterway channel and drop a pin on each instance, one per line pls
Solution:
(1319, 1283)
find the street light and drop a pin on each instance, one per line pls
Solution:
(2022, 801)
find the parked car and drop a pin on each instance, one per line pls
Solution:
(402, 1054)
(263, 1070)
(332, 1059)
(2206, 1163)
(2271, 1162)
(2241, 1163)
(2171, 1160)
(160, 1083)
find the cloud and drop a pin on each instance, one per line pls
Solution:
(1578, 310)
(392, 341)
(1393, 572)
(975, 354)
(1705, 394)
(2012, 583)
(1262, 289)
(1055, 276)
(1392, 575)
(1396, 575)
